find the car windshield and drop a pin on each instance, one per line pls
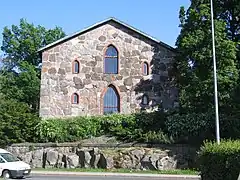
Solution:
(9, 157)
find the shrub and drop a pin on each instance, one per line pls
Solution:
(157, 137)
(132, 127)
(65, 130)
(220, 162)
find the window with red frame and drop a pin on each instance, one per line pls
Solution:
(75, 98)
(76, 67)
(145, 69)
(111, 60)
(111, 101)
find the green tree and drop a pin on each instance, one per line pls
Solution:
(195, 65)
(20, 79)
(17, 122)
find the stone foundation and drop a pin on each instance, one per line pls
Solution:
(105, 156)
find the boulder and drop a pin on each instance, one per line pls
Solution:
(84, 158)
(37, 158)
(72, 161)
(51, 158)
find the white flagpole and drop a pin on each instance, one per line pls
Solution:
(215, 78)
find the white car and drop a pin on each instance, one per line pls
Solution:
(12, 167)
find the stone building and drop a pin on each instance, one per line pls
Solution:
(106, 68)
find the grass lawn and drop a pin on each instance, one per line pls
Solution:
(183, 172)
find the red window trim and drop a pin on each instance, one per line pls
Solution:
(104, 71)
(118, 94)
(73, 66)
(72, 98)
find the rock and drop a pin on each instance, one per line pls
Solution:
(91, 63)
(37, 159)
(78, 83)
(105, 162)
(123, 88)
(138, 153)
(128, 81)
(72, 161)
(52, 71)
(51, 158)
(145, 49)
(95, 157)
(126, 53)
(64, 90)
(98, 58)
(61, 71)
(124, 72)
(60, 162)
(85, 69)
(115, 35)
(27, 158)
(135, 53)
(81, 37)
(97, 70)
(119, 77)
(167, 163)
(107, 78)
(63, 65)
(95, 77)
(51, 58)
(99, 47)
(84, 158)
(87, 81)
(102, 38)
(128, 40)
(146, 163)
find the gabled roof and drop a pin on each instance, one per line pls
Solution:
(111, 19)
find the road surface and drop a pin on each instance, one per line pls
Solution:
(93, 177)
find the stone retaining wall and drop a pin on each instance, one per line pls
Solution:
(160, 157)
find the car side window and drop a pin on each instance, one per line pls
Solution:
(1, 160)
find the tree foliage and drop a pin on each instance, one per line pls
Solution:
(17, 122)
(20, 77)
(195, 63)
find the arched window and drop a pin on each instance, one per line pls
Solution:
(75, 98)
(75, 67)
(111, 60)
(111, 101)
(145, 99)
(145, 69)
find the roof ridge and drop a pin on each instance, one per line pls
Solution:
(99, 24)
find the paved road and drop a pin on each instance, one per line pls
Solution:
(74, 177)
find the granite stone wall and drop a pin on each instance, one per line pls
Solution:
(74, 156)
(58, 83)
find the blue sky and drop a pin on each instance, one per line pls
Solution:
(158, 18)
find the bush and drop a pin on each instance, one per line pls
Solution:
(220, 162)
(66, 130)
(132, 127)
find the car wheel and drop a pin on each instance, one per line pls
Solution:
(6, 174)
